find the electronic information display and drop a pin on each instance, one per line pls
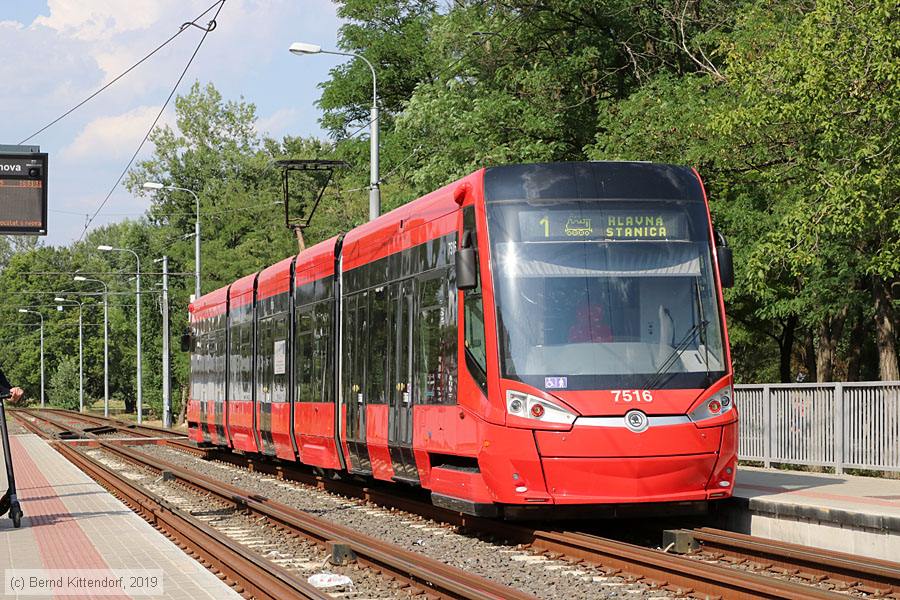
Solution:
(602, 224)
(23, 193)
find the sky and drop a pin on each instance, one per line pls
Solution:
(57, 52)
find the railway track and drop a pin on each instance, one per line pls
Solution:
(250, 574)
(766, 559)
(725, 564)
(101, 425)
(409, 569)
(845, 572)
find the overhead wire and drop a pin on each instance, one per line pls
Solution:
(206, 31)
(220, 4)
(117, 78)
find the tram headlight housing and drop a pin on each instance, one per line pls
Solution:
(720, 403)
(526, 406)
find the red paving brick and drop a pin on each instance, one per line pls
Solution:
(71, 522)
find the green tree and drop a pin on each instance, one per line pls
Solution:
(63, 390)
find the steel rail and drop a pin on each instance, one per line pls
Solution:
(675, 573)
(672, 572)
(432, 576)
(253, 575)
(19, 414)
(867, 575)
(66, 431)
(142, 430)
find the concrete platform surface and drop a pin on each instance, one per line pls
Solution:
(840, 512)
(865, 495)
(71, 523)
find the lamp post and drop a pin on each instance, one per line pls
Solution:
(34, 312)
(80, 348)
(105, 340)
(301, 48)
(153, 185)
(167, 392)
(137, 300)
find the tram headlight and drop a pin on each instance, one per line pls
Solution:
(527, 406)
(720, 403)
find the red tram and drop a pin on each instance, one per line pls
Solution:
(531, 338)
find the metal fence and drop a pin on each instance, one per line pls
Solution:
(841, 425)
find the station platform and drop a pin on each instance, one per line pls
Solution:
(859, 515)
(73, 524)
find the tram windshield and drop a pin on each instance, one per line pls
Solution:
(597, 294)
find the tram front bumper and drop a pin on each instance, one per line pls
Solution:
(599, 465)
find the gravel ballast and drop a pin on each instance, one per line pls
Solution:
(506, 564)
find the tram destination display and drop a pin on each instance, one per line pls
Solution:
(23, 193)
(602, 224)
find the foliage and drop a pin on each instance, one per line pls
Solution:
(63, 390)
(788, 109)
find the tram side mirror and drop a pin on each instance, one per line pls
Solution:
(186, 341)
(726, 266)
(466, 264)
(726, 260)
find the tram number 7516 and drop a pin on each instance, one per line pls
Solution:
(632, 396)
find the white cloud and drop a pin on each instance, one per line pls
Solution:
(54, 62)
(93, 20)
(40, 71)
(114, 137)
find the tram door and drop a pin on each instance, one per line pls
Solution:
(265, 383)
(355, 352)
(400, 416)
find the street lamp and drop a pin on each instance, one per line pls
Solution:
(34, 312)
(137, 297)
(167, 392)
(301, 48)
(105, 340)
(153, 185)
(80, 349)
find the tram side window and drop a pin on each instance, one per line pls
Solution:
(247, 360)
(219, 364)
(204, 369)
(204, 366)
(223, 363)
(473, 316)
(475, 342)
(436, 345)
(242, 354)
(264, 360)
(233, 361)
(377, 361)
(313, 367)
(323, 373)
(360, 350)
(349, 349)
(304, 354)
(279, 358)
(211, 364)
(195, 364)
(235, 391)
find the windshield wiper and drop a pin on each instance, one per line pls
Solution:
(670, 361)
